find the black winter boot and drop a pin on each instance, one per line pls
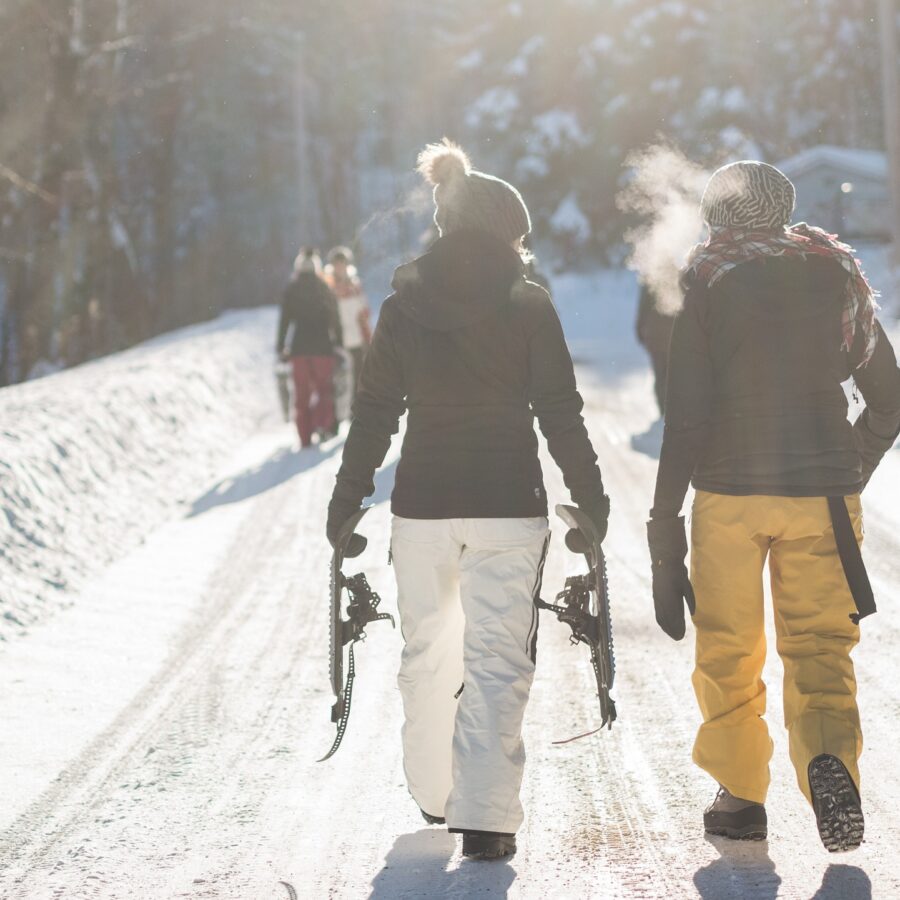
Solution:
(836, 804)
(432, 820)
(732, 817)
(488, 844)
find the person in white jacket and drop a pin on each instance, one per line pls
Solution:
(353, 306)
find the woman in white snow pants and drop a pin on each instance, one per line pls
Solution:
(474, 353)
(466, 590)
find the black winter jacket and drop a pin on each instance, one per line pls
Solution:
(653, 328)
(474, 352)
(755, 397)
(310, 309)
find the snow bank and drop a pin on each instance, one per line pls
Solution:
(86, 455)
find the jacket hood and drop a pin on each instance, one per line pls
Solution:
(306, 277)
(465, 276)
(787, 288)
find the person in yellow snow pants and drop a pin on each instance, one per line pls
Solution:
(731, 538)
(776, 317)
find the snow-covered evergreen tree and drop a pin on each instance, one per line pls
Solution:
(159, 161)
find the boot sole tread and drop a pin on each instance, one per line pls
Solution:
(751, 833)
(488, 854)
(838, 811)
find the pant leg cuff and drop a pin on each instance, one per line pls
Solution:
(745, 792)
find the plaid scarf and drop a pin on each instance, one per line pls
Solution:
(727, 248)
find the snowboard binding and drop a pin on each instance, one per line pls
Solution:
(583, 605)
(362, 610)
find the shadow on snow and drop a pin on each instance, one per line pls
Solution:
(279, 468)
(745, 870)
(275, 471)
(416, 866)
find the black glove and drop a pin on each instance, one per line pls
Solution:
(671, 584)
(598, 513)
(338, 513)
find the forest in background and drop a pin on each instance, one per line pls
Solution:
(162, 160)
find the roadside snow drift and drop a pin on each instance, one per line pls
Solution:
(93, 458)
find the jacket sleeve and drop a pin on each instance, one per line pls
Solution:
(379, 404)
(879, 425)
(688, 407)
(334, 316)
(557, 404)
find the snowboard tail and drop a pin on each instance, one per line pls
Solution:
(362, 609)
(583, 605)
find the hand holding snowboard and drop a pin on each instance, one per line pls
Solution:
(598, 513)
(362, 610)
(338, 514)
(583, 604)
(671, 584)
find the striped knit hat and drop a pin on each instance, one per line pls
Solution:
(748, 195)
(465, 198)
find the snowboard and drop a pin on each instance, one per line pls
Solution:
(584, 606)
(362, 609)
(283, 381)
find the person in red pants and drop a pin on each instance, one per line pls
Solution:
(309, 316)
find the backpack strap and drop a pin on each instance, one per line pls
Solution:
(851, 559)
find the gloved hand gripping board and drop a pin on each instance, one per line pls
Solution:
(584, 606)
(362, 609)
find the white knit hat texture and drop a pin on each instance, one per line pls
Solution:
(466, 198)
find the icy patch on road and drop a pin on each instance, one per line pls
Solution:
(86, 455)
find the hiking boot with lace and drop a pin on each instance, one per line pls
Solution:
(488, 844)
(836, 804)
(735, 818)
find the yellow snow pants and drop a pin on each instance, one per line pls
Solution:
(730, 540)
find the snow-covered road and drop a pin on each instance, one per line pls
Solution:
(160, 735)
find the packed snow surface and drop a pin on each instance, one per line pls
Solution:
(160, 734)
(93, 459)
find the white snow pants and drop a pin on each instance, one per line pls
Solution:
(466, 591)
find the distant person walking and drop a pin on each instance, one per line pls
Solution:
(353, 306)
(654, 332)
(309, 317)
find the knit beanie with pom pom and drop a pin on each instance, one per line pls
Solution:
(465, 198)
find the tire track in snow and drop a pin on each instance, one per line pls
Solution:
(205, 787)
(188, 687)
(657, 703)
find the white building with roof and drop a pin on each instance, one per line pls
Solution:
(842, 190)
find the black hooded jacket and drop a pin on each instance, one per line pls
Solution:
(474, 352)
(309, 310)
(755, 401)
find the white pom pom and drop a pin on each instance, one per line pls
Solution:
(443, 162)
